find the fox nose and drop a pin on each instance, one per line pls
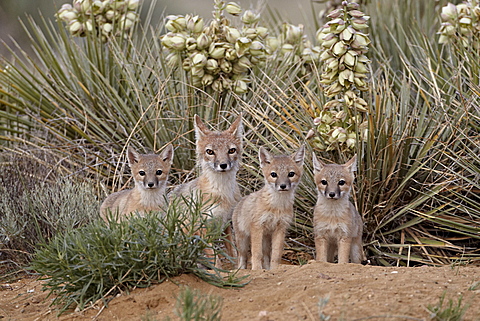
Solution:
(283, 186)
(223, 166)
(151, 184)
(331, 194)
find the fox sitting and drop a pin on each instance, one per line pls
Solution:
(261, 219)
(218, 156)
(150, 173)
(337, 225)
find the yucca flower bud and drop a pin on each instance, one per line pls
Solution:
(242, 45)
(293, 34)
(207, 80)
(216, 50)
(232, 34)
(212, 66)
(262, 32)
(203, 42)
(194, 24)
(199, 60)
(273, 43)
(176, 23)
(250, 17)
(233, 8)
(133, 4)
(240, 87)
(257, 48)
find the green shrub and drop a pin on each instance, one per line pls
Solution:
(101, 259)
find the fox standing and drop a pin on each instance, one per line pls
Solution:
(150, 173)
(261, 219)
(337, 225)
(218, 156)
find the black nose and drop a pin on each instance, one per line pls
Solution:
(151, 184)
(283, 186)
(223, 166)
(331, 194)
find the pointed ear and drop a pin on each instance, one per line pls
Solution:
(264, 156)
(299, 156)
(133, 156)
(200, 128)
(317, 165)
(236, 128)
(352, 163)
(167, 153)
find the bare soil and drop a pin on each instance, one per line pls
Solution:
(354, 292)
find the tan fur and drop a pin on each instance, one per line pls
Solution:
(218, 156)
(337, 225)
(261, 219)
(150, 173)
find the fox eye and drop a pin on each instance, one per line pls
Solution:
(159, 172)
(232, 150)
(341, 182)
(273, 174)
(324, 182)
(291, 174)
(210, 152)
(142, 173)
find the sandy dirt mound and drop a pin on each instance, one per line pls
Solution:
(288, 293)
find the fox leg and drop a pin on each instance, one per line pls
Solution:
(242, 242)
(229, 249)
(267, 251)
(256, 237)
(278, 238)
(344, 246)
(321, 247)
(356, 253)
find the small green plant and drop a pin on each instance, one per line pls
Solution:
(193, 305)
(451, 311)
(322, 303)
(101, 259)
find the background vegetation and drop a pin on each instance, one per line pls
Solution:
(71, 106)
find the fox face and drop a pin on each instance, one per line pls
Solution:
(150, 171)
(282, 173)
(334, 181)
(219, 151)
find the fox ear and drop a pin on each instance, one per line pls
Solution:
(133, 156)
(317, 165)
(352, 163)
(200, 128)
(299, 155)
(264, 156)
(237, 127)
(167, 153)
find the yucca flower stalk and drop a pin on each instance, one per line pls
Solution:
(461, 24)
(344, 45)
(103, 17)
(217, 56)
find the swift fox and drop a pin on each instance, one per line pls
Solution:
(218, 156)
(261, 219)
(337, 225)
(150, 173)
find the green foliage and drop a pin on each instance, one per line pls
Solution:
(451, 311)
(35, 207)
(101, 259)
(193, 305)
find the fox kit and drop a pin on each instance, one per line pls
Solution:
(261, 219)
(218, 156)
(150, 172)
(337, 225)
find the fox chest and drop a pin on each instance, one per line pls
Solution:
(272, 219)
